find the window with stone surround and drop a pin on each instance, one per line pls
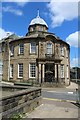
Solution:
(62, 50)
(32, 70)
(11, 71)
(20, 70)
(40, 28)
(32, 47)
(62, 71)
(49, 48)
(12, 50)
(21, 48)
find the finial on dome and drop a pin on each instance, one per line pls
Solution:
(38, 13)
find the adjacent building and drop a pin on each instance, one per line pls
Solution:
(39, 56)
(75, 73)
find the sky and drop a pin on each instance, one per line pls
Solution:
(62, 19)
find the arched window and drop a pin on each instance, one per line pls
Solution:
(49, 48)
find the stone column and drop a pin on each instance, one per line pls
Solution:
(39, 73)
(59, 73)
(43, 72)
(55, 71)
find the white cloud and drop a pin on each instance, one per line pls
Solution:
(40, 0)
(65, 0)
(61, 11)
(26, 0)
(12, 10)
(74, 39)
(15, 0)
(4, 33)
(19, 2)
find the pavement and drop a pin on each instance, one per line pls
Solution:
(51, 108)
(54, 109)
(72, 86)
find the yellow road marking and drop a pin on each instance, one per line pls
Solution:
(59, 100)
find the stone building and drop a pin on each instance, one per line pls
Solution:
(1, 61)
(39, 56)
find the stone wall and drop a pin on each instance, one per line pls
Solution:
(22, 101)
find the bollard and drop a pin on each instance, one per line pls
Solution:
(78, 96)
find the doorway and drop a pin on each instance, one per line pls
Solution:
(49, 72)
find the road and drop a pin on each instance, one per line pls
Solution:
(60, 95)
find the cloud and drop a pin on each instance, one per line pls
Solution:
(74, 39)
(61, 11)
(19, 2)
(65, 0)
(15, 0)
(4, 33)
(40, 0)
(12, 10)
(75, 62)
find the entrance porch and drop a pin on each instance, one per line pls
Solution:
(48, 72)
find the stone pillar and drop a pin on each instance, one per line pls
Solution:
(36, 72)
(59, 73)
(55, 71)
(39, 73)
(43, 72)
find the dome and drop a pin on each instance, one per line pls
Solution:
(38, 20)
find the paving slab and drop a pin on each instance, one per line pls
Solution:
(51, 109)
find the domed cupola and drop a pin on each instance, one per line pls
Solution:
(38, 24)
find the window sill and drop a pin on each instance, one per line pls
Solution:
(20, 54)
(11, 55)
(20, 77)
(32, 77)
(32, 53)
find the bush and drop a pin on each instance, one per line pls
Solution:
(16, 117)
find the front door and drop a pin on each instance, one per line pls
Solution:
(49, 72)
